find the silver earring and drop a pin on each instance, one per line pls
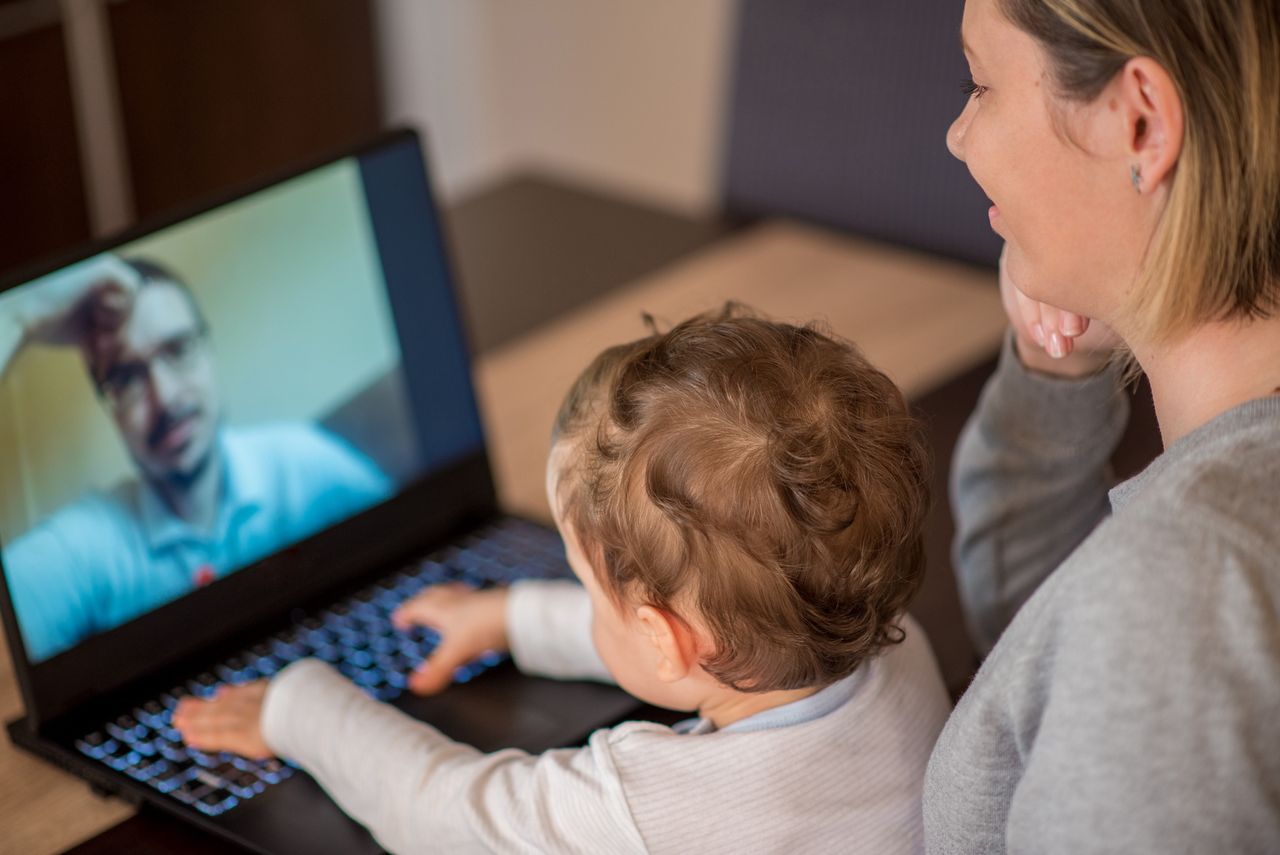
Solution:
(1135, 176)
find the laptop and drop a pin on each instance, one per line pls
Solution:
(241, 437)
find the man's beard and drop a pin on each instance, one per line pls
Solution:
(183, 480)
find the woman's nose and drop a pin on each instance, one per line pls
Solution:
(955, 134)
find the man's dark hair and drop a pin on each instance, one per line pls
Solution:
(149, 273)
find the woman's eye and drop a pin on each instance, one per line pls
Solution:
(971, 89)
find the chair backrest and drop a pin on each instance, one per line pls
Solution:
(838, 116)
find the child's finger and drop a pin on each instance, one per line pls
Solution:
(436, 671)
(205, 729)
(233, 736)
(429, 607)
(228, 722)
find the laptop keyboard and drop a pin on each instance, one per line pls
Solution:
(354, 635)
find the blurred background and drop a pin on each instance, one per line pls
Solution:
(711, 110)
(577, 146)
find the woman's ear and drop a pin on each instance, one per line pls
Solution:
(1154, 119)
(672, 639)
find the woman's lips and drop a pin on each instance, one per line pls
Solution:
(993, 215)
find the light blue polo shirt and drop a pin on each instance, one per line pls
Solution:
(111, 556)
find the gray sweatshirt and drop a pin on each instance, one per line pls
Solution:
(1132, 702)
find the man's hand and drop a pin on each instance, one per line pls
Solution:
(229, 721)
(470, 623)
(90, 299)
(1051, 340)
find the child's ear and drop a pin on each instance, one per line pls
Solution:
(673, 640)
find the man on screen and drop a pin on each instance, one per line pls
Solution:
(208, 498)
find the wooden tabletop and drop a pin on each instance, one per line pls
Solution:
(919, 319)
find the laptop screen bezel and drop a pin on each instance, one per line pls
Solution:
(422, 513)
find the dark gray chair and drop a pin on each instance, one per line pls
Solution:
(838, 116)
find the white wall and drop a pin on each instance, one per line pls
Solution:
(627, 95)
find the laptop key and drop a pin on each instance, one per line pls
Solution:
(191, 790)
(273, 770)
(243, 779)
(224, 770)
(356, 635)
(175, 752)
(203, 681)
(94, 739)
(216, 802)
(201, 758)
(147, 769)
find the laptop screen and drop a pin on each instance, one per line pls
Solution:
(194, 400)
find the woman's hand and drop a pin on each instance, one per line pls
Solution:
(229, 721)
(470, 622)
(1053, 341)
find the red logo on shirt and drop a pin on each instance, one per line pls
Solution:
(203, 575)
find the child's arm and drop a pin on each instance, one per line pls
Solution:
(413, 788)
(549, 629)
(545, 624)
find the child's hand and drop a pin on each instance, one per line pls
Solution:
(470, 623)
(229, 721)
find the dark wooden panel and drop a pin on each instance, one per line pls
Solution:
(43, 207)
(217, 92)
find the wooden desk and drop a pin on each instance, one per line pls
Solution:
(921, 320)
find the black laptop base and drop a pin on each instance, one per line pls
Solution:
(267, 807)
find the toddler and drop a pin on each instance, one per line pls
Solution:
(742, 502)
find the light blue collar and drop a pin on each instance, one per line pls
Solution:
(821, 703)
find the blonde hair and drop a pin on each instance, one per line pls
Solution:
(1216, 251)
(760, 478)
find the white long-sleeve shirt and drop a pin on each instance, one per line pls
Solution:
(841, 770)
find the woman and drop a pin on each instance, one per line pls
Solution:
(1131, 698)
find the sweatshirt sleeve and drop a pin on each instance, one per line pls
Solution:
(418, 791)
(549, 630)
(1029, 481)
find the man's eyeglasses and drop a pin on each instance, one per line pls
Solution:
(125, 383)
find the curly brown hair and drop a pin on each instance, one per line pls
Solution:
(764, 477)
